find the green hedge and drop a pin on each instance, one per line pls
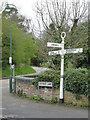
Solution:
(75, 80)
(48, 76)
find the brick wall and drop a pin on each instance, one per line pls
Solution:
(30, 89)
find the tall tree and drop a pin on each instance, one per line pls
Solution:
(23, 47)
(55, 16)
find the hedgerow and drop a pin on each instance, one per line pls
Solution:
(75, 80)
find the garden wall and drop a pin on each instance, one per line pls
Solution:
(25, 86)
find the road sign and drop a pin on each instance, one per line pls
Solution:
(78, 50)
(49, 84)
(54, 52)
(49, 44)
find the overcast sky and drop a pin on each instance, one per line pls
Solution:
(27, 7)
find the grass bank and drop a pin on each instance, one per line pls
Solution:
(19, 70)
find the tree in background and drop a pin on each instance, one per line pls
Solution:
(23, 47)
(57, 16)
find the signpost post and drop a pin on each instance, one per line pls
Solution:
(62, 52)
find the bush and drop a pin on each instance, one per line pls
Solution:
(83, 105)
(70, 103)
(38, 98)
(32, 97)
(75, 80)
(48, 76)
(54, 100)
(24, 95)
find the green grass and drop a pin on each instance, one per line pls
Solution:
(18, 70)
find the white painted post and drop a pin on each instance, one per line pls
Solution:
(61, 100)
(13, 80)
(61, 79)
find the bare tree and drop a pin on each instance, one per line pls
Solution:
(53, 17)
(61, 14)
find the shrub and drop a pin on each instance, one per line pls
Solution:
(38, 98)
(78, 97)
(83, 105)
(75, 80)
(70, 103)
(54, 100)
(24, 95)
(32, 97)
(48, 76)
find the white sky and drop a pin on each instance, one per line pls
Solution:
(26, 7)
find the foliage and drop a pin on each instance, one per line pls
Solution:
(48, 76)
(78, 39)
(70, 103)
(31, 97)
(54, 100)
(83, 105)
(78, 97)
(18, 70)
(24, 95)
(23, 47)
(36, 61)
(76, 80)
(75, 25)
(36, 99)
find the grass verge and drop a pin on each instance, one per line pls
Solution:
(18, 70)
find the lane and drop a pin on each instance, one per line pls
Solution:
(16, 107)
(40, 69)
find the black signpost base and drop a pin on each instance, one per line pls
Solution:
(61, 101)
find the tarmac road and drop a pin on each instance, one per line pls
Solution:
(16, 107)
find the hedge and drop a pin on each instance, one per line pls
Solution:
(75, 80)
(48, 76)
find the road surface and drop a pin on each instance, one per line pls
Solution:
(16, 107)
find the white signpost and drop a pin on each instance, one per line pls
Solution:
(54, 52)
(49, 44)
(66, 51)
(62, 52)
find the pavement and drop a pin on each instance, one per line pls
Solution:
(13, 106)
